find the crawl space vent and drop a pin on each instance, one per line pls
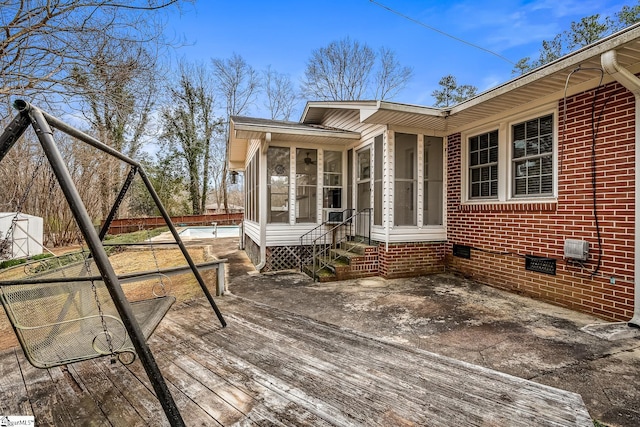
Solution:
(540, 264)
(462, 251)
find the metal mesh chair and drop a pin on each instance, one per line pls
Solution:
(66, 318)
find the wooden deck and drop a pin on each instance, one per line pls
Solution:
(272, 368)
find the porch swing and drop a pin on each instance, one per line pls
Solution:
(72, 313)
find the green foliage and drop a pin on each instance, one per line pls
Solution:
(581, 33)
(452, 93)
(136, 236)
(14, 262)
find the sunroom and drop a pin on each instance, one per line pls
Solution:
(338, 172)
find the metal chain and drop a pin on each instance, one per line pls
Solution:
(155, 259)
(94, 289)
(4, 245)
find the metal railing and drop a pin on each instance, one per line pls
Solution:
(316, 245)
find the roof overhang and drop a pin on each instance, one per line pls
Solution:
(244, 129)
(571, 74)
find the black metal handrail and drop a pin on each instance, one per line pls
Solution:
(316, 245)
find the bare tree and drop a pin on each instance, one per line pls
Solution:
(339, 71)
(237, 84)
(188, 128)
(117, 92)
(391, 77)
(42, 40)
(348, 70)
(280, 94)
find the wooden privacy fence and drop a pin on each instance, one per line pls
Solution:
(127, 225)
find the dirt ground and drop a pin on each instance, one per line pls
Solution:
(184, 287)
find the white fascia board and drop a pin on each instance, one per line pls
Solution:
(284, 130)
(570, 60)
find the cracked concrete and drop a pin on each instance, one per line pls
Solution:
(462, 319)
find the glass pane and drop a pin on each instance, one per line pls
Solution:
(547, 165)
(532, 128)
(494, 188)
(306, 185)
(547, 184)
(520, 168)
(532, 147)
(546, 144)
(521, 186)
(484, 141)
(475, 175)
(473, 143)
(278, 171)
(534, 185)
(546, 125)
(484, 175)
(332, 198)
(404, 207)
(518, 132)
(474, 161)
(405, 156)
(364, 164)
(475, 190)
(484, 189)
(493, 154)
(493, 139)
(518, 148)
(484, 157)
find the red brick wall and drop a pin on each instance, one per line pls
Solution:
(410, 259)
(541, 229)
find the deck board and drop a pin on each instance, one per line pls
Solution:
(273, 368)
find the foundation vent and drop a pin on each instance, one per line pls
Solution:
(540, 264)
(462, 251)
(576, 249)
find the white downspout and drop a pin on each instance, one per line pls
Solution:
(632, 83)
(263, 201)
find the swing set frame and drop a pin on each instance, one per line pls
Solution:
(42, 123)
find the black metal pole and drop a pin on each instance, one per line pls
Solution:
(183, 248)
(16, 128)
(45, 135)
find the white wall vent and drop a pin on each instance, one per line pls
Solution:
(576, 249)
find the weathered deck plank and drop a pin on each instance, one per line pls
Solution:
(12, 388)
(273, 368)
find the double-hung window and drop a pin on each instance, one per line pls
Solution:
(483, 166)
(532, 157)
(512, 162)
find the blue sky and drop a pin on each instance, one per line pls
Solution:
(283, 33)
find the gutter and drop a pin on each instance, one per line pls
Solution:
(632, 83)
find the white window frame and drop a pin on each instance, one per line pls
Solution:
(505, 159)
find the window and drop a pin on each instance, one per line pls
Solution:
(433, 181)
(278, 185)
(404, 197)
(513, 161)
(483, 165)
(378, 156)
(332, 182)
(306, 184)
(532, 157)
(363, 195)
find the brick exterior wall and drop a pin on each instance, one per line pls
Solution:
(410, 259)
(541, 228)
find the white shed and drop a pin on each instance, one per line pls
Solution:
(26, 235)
